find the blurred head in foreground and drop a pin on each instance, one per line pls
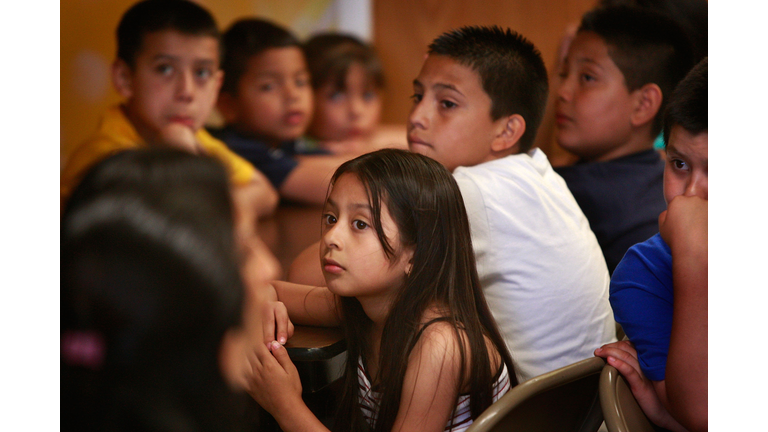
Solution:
(150, 286)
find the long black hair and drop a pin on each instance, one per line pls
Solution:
(425, 202)
(149, 285)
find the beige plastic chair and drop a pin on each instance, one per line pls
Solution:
(620, 409)
(565, 399)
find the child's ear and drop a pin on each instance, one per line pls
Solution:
(408, 257)
(513, 127)
(647, 103)
(122, 78)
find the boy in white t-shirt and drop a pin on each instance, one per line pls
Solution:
(478, 101)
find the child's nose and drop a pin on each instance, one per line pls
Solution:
(698, 186)
(418, 116)
(356, 107)
(293, 92)
(332, 237)
(564, 89)
(184, 86)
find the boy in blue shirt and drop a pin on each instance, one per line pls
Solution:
(659, 289)
(266, 102)
(620, 69)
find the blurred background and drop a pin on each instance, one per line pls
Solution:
(399, 29)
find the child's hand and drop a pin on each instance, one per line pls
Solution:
(178, 136)
(684, 223)
(623, 357)
(274, 383)
(276, 324)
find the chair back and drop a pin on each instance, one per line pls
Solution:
(565, 400)
(620, 408)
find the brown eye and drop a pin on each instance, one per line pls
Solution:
(360, 225)
(329, 219)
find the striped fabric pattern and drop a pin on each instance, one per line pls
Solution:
(369, 400)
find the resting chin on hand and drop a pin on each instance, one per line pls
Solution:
(180, 137)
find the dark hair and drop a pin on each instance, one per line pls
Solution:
(691, 15)
(510, 68)
(149, 274)
(246, 38)
(150, 16)
(424, 201)
(645, 45)
(329, 56)
(688, 106)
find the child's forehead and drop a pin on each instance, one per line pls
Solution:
(276, 58)
(589, 46)
(445, 72)
(172, 42)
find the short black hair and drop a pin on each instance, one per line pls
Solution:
(329, 56)
(691, 15)
(246, 38)
(511, 71)
(150, 16)
(645, 45)
(688, 107)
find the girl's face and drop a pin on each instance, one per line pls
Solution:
(352, 257)
(346, 114)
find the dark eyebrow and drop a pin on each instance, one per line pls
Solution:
(439, 86)
(589, 61)
(164, 57)
(364, 206)
(203, 61)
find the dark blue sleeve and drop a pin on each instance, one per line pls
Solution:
(641, 298)
(274, 163)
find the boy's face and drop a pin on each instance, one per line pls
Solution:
(174, 81)
(346, 114)
(687, 164)
(594, 106)
(451, 116)
(274, 95)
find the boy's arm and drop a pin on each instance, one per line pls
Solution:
(255, 199)
(308, 181)
(684, 227)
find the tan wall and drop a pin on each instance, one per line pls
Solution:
(402, 31)
(404, 28)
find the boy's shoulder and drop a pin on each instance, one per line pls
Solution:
(113, 134)
(642, 169)
(516, 184)
(523, 168)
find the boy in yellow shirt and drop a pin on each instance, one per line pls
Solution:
(167, 71)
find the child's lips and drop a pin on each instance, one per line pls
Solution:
(295, 118)
(413, 141)
(561, 119)
(331, 266)
(186, 121)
